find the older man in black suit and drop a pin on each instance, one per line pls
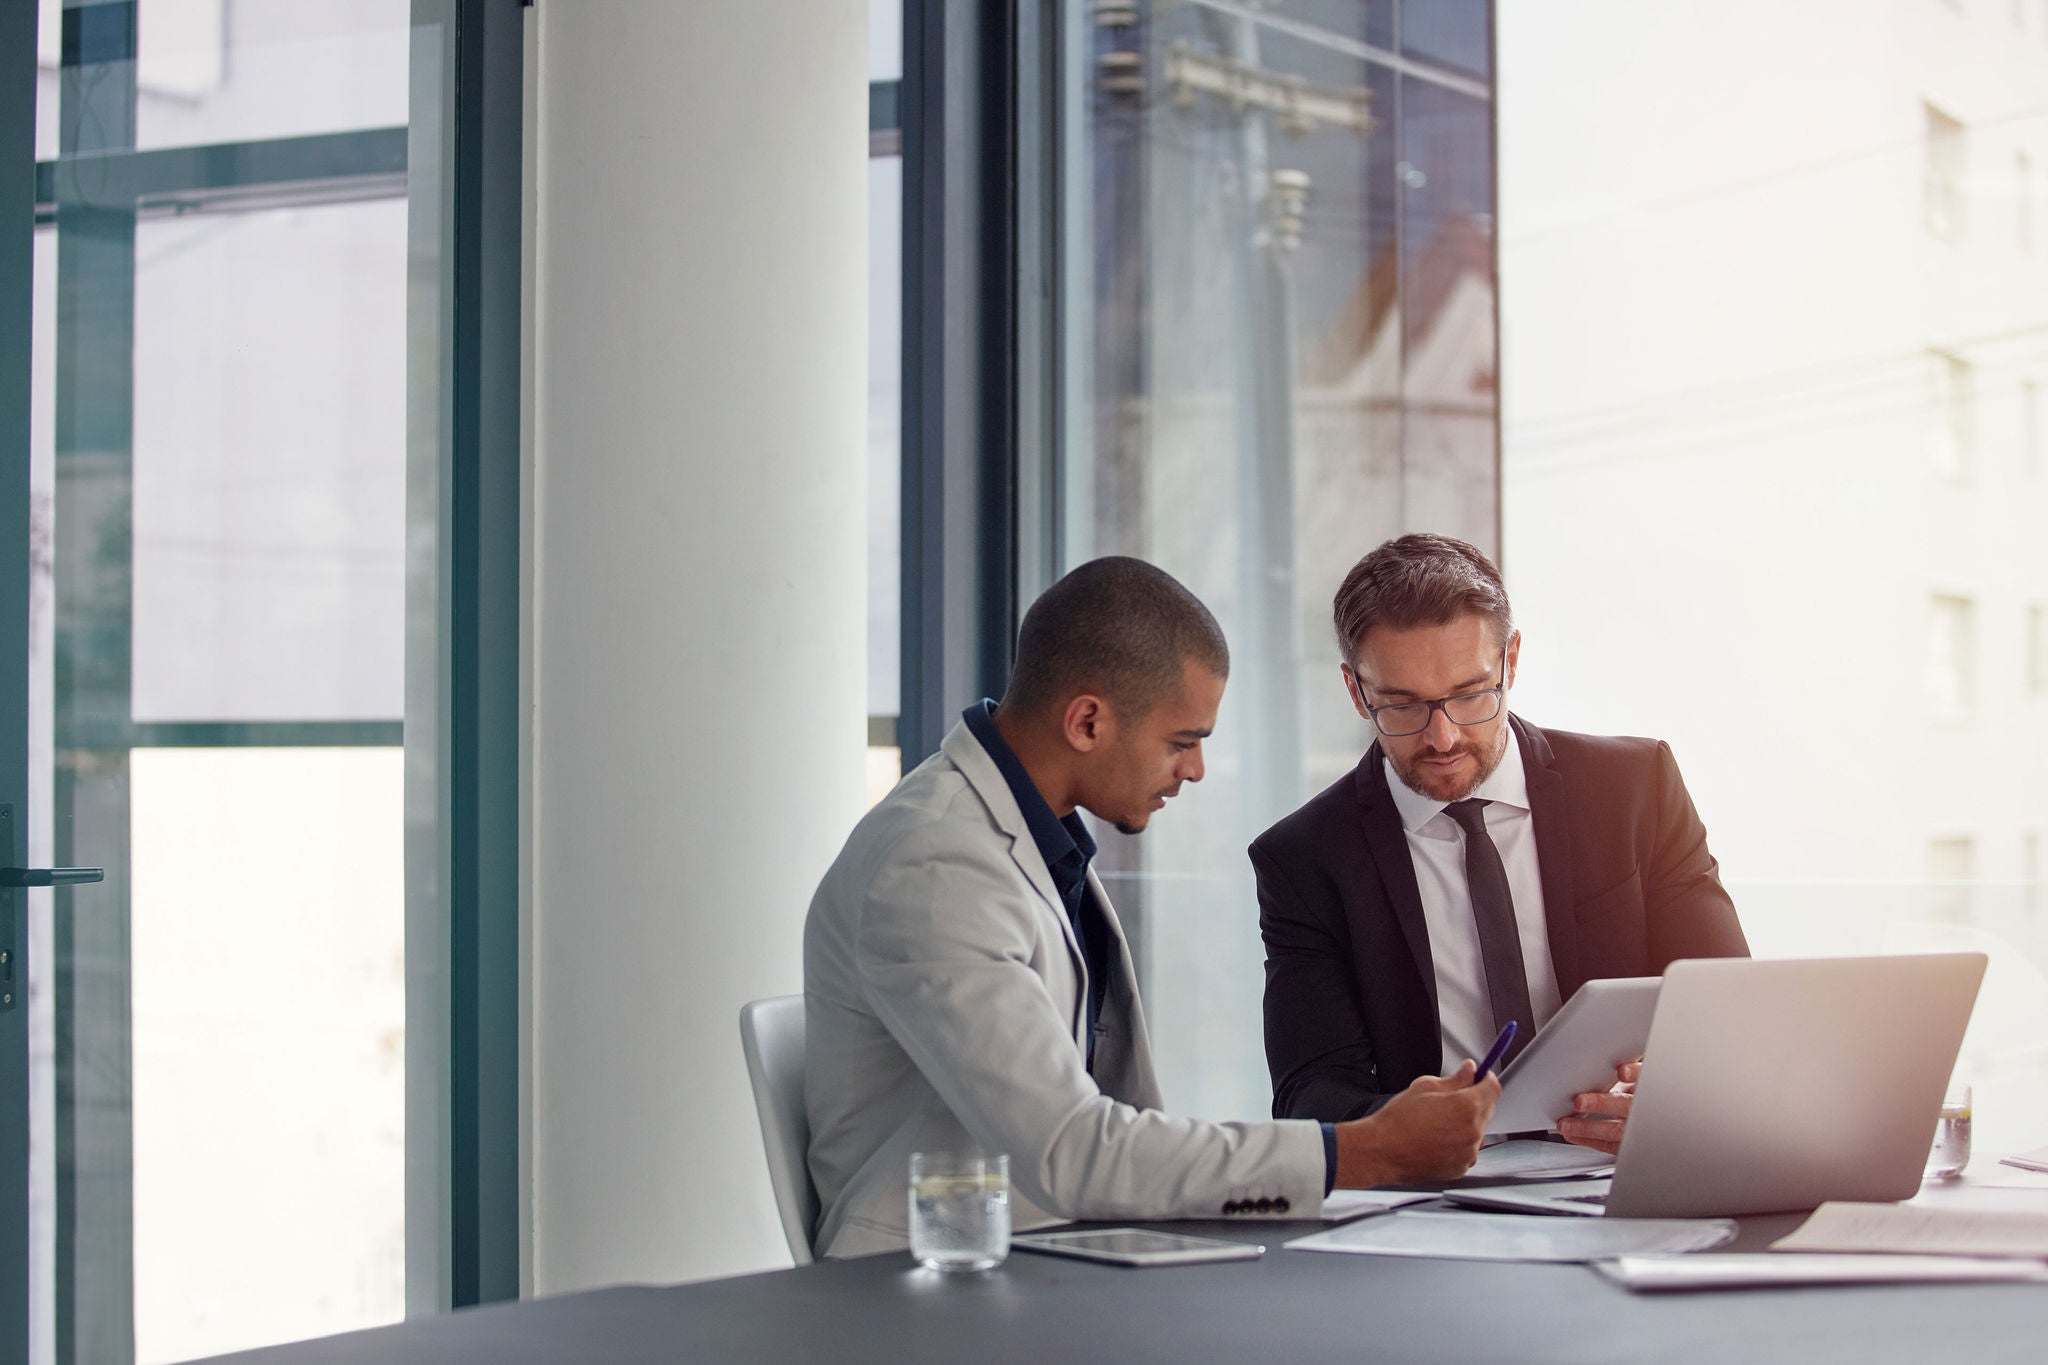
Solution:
(1473, 868)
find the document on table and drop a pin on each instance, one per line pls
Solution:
(1665, 1274)
(1928, 1230)
(1531, 1158)
(2036, 1160)
(1341, 1206)
(2005, 1176)
(1518, 1237)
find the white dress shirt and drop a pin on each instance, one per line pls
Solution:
(1436, 845)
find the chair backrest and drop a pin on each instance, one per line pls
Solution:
(772, 1036)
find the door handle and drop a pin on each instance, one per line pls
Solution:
(12, 877)
(51, 876)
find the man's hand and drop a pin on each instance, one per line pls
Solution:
(1600, 1117)
(1428, 1132)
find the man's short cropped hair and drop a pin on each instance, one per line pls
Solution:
(1118, 628)
(1419, 580)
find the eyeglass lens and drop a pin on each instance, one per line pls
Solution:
(1410, 718)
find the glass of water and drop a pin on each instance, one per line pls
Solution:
(959, 1210)
(1951, 1151)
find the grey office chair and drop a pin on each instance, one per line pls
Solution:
(772, 1036)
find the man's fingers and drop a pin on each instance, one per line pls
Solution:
(1592, 1125)
(1461, 1079)
(1482, 1112)
(1594, 1145)
(1600, 1134)
(1602, 1102)
(1630, 1072)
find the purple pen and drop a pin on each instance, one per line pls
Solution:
(1496, 1052)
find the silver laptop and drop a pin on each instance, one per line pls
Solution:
(1773, 1086)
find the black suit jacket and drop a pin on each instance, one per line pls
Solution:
(1351, 1011)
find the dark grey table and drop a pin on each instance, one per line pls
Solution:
(1288, 1306)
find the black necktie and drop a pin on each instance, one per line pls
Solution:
(1493, 911)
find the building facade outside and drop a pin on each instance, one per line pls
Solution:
(1775, 345)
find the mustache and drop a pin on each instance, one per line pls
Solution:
(1466, 747)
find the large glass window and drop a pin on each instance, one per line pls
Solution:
(269, 570)
(1279, 269)
(1770, 393)
(217, 684)
(1768, 411)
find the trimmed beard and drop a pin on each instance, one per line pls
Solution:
(1406, 771)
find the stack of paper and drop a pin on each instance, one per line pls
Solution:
(1531, 1158)
(1518, 1237)
(2036, 1160)
(1934, 1230)
(1665, 1274)
(1341, 1206)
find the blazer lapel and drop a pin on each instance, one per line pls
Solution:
(1547, 807)
(981, 773)
(1388, 843)
(1123, 1049)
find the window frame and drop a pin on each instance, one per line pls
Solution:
(463, 921)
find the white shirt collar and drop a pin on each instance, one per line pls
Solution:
(1507, 784)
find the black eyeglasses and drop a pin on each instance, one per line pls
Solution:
(1412, 717)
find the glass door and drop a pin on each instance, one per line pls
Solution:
(202, 683)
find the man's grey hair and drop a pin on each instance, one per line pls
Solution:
(1419, 580)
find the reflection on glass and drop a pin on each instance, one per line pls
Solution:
(269, 1022)
(270, 465)
(1289, 235)
(1454, 37)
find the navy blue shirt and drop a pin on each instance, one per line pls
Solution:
(1067, 847)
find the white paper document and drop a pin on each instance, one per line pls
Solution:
(1528, 1157)
(1924, 1229)
(2036, 1160)
(1664, 1274)
(1518, 1237)
(2003, 1176)
(1341, 1206)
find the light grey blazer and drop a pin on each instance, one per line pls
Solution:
(944, 1005)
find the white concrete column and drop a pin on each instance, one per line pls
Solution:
(697, 628)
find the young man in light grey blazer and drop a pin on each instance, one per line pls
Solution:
(966, 984)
